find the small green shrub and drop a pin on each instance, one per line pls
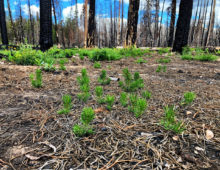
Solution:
(66, 105)
(87, 116)
(62, 63)
(138, 105)
(164, 60)
(99, 94)
(206, 57)
(48, 65)
(141, 61)
(133, 52)
(163, 50)
(160, 68)
(37, 82)
(189, 97)
(97, 65)
(105, 54)
(83, 81)
(103, 79)
(146, 94)
(130, 83)
(169, 122)
(82, 57)
(109, 100)
(124, 99)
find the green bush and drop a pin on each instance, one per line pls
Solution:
(138, 105)
(169, 122)
(132, 52)
(66, 105)
(189, 97)
(99, 94)
(105, 54)
(103, 79)
(160, 68)
(131, 83)
(141, 61)
(146, 94)
(84, 86)
(37, 82)
(164, 50)
(124, 99)
(97, 65)
(164, 60)
(62, 63)
(109, 100)
(85, 128)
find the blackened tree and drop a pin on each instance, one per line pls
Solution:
(132, 22)
(45, 25)
(183, 25)
(4, 33)
(172, 23)
(92, 25)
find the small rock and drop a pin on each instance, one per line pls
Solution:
(146, 134)
(175, 138)
(104, 129)
(188, 112)
(180, 71)
(199, 149)
(114, 78)
(209, 134)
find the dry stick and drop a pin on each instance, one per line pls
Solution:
(139, 163)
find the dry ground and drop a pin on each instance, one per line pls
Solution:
(34, 136)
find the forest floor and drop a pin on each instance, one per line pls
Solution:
(34, 136)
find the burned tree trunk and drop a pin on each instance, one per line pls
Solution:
(11, 20)
(183, 25)
(4, 33)
(132, 22)
(92, 25)
(172, 23)
(85, 23)
(32, 22)
(45, 25)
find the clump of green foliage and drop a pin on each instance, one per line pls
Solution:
(105, 54)
(131, 83)
(133, 52)
(197, 54)
(189, 97)
(37, 82)
(138, 105)
(85, 128)
(164, 50)
(67, 100)
(103, 79)
(164, 60)
(99, 94)
(84, 86)
(141, 61)
(48, 65)
(169, 122)
(124, 99)
(160, 68)
(97, 65)
(109, 100)
(26, 56)
(62, 63)
(146, 94)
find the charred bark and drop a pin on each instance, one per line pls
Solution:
(92, 25)
(172, 23)
(4, 33)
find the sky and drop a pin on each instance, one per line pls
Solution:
(68, 8)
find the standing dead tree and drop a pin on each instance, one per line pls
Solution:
(132, 22)
(92, 25)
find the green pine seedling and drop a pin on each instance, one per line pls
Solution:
(141, 61)
(37, 82)
(103, 79)
(159, 68)
(87, 116)
(164, 69)
(83, 81)
(146, 94)
(62, 63)
(99, 94)
(169, 122)
(124, 99)
(131, 84)
(109, 100)
(189, 97)
(67, 100)
(97, 64)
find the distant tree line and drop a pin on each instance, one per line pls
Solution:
(152, 26)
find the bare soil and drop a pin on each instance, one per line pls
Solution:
(34, 136)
